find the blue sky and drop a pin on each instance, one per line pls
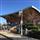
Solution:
(10, 6)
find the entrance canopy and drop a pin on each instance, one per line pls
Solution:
(30, 14)
(12, 18)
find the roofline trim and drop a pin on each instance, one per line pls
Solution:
(35, 8)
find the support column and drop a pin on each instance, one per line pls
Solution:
(21, 22)
(21, 27)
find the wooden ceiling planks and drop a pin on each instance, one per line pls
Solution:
(30, 14)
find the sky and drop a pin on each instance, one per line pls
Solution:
(10, 6)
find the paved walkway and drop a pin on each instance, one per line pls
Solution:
(9, 34)
(16, 36)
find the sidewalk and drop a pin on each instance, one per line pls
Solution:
(9, 34)
(15, 36)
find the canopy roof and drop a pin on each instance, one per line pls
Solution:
(14, 17)
(11, 17)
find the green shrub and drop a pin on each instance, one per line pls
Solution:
(29, 25)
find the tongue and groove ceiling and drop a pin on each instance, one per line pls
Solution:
(29, 13)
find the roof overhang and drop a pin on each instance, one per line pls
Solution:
(36, 8)
(17, 13)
